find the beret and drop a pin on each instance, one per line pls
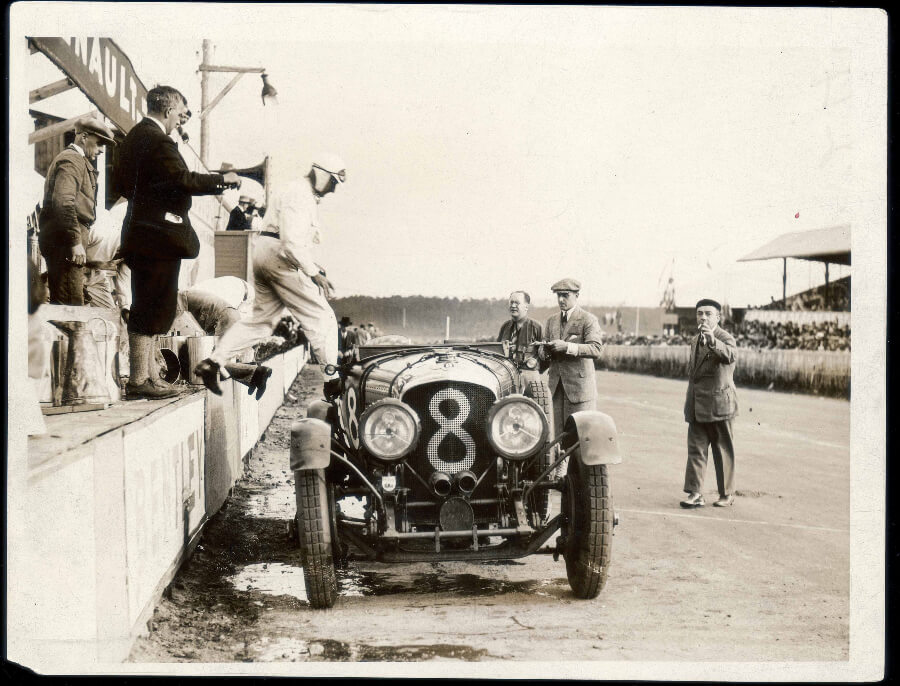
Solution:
(566, 285)
(96, 127)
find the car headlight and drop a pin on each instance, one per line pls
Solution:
(389, 429)
(516, 427)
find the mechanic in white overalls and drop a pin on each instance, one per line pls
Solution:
(287, 276)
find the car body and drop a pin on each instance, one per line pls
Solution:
(451, 451)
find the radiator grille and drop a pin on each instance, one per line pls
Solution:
(453, 417)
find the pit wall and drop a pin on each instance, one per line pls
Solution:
(108, 522)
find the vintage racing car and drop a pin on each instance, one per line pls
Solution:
(449, 448)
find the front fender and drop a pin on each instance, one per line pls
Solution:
(310, 444)
(598, 437)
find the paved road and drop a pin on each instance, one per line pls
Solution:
(767, 580)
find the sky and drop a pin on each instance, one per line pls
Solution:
(491, 149)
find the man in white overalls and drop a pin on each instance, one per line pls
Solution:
(286, 276)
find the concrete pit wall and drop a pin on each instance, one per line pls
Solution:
(107, 522)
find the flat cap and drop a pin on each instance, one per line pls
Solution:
(708, 302)
(96, 127)
(245, 198)
(566, 285)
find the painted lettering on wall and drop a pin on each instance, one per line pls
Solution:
(103, 72)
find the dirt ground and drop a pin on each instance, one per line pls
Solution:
(766, 580)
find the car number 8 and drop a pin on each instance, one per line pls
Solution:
(448, 426)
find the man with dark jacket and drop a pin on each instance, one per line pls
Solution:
(69, 209)
(153, 176)
(710, 406)
(520, 330)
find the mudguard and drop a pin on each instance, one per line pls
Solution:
(310, 444)
(598, 436)
(318, 409)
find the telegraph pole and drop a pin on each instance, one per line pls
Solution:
(204, 102)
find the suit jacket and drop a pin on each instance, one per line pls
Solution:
(70, 201)
(711, 395)
(575, 371)
(153, 176)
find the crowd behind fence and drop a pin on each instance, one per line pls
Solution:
(821, 336)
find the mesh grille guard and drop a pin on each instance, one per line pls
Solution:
(453, 416)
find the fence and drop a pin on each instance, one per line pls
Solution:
(805, 371)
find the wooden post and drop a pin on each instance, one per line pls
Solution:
(447, 330)
(827, 299)
(204, 102)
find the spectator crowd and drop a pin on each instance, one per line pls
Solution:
(760, 336)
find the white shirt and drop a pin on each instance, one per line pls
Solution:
(294, 215)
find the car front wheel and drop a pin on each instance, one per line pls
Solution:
(314, 530)
(587, 507)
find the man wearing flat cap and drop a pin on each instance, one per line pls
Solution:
(710, 406)
(68, 210)
(574, 342)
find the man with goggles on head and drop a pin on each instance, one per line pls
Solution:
(287, 276)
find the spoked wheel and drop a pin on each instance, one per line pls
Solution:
(316, 530)
(538, 391)
(588, 528)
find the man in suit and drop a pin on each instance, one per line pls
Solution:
(242, 218)
(68, 210)
(710, 406)
(152, 175)
(520, 330)
(574, 342)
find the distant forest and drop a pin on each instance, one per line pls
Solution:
(470, 319)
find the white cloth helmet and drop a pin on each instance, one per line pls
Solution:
(332, 164)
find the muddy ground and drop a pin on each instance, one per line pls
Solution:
(766, 580)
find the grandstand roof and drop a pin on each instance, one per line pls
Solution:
(831, 244)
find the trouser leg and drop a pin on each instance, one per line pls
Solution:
(698, 447)
(250, 331)
(309, 307)
(65, 279)
(723, 456)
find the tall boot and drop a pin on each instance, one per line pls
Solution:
(138, 358)
(140, 385)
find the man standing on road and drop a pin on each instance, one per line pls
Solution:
(155, 179)
(286, 276)
(710, 406)
(574, 342)
(69, 209)
(520, 330)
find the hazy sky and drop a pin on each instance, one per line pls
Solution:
(490, 149)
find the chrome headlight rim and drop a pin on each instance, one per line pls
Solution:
(528, 402)
(373, 412)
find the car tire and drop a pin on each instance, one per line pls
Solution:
(538, 391)
(314, 530)
(588, 528)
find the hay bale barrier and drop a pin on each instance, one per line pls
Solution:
(817, 372)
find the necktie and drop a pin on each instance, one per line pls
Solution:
(565, 318)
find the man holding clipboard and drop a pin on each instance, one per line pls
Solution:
(574, 341)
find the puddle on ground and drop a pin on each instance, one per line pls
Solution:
(278, 579)
(355, 582)
(272, 579)
(326, 650)
(271, 505)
